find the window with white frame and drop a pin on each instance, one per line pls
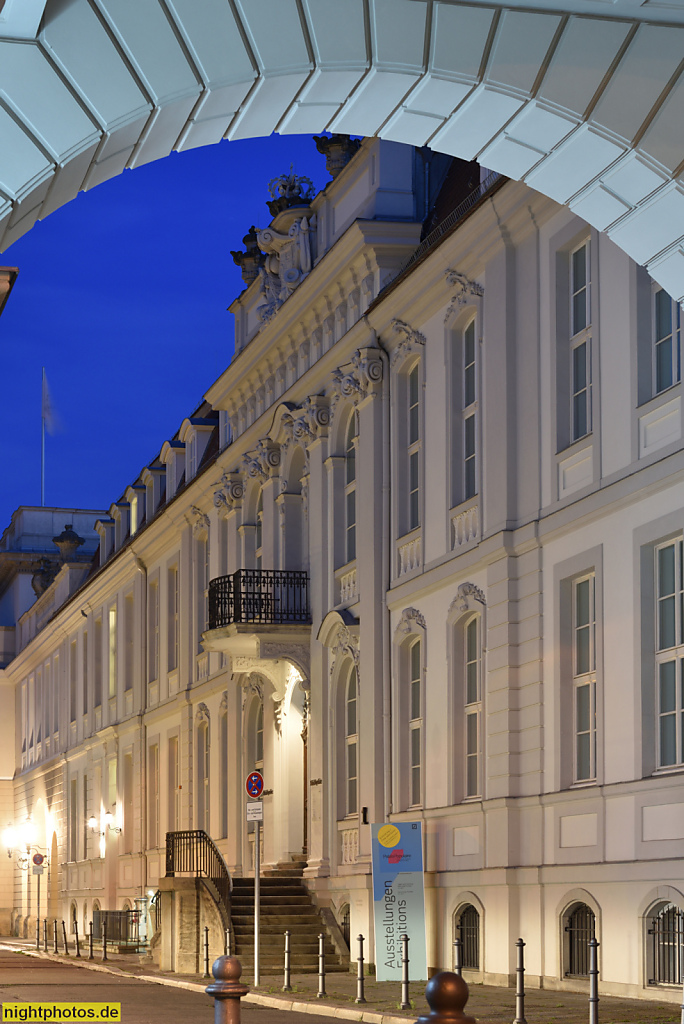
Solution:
(415, 724)
(223, 773)
(259, 738)
(172, 601)
(259, 533)
(473, 706)
(584, 677)
(129, 659)
(73, 677)
(351, 744)
(153, 640)
(580, 342)
(203, 776)
(469, 412)
(97, 694)
(413, 403)
(666, 341)
(112, 650)
(202, 589)
(84, 664)
(670, 653)
(350, 491)
(153, 796)
(173, 810)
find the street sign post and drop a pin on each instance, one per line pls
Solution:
(254, 784)
(38, 859)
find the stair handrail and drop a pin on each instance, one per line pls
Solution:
(192, 851)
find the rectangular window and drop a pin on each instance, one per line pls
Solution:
(473, 708)
(85, 816)
(112, 651)
(47, 691)
(153, 640)
(666, 341)
(351, 739)
(584, 678)
(97, 690)
(414, 490)
(223, 773)
(128, 640)
(173, 781)
(580, 343)
(128, 814)
(73, 819)
(351, 525)
(469, 412)
(580, 311)
(202, 590)
(153, 796)
(55, 692)
(415, 723)
(670, 653)
(73, 678)
(469, 484)
(414, 448)
(85, 671)
(172, 583)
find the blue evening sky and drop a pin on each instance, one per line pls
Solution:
(122, 297)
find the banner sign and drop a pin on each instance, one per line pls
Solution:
(398, 899)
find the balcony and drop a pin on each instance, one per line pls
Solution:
(258, 614)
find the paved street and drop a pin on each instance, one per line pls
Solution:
(29, 979)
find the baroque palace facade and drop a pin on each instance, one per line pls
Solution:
(417, 556)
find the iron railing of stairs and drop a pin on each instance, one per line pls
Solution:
(193, 852)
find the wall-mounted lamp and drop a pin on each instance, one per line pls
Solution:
(106, 824)
(24, 835)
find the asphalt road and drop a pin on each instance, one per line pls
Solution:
(27, 979)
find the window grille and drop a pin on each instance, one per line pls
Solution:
(469, 929)
(580, 927)
(667, 935)
(345, 924)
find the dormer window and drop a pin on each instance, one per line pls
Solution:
(154, 480)
(106, 528)
(173, 456)
(135, 496)
(194, 434)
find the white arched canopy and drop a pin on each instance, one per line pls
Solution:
(583, 100)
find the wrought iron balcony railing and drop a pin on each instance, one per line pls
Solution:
(264, 597)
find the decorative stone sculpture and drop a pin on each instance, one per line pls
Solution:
(251, 259)
(338, 151)
(43, 576)
(289, 190)
(68, 541)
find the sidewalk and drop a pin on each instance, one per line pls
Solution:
(486, 1003)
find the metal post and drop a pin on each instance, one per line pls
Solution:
(38, 915)
(458, 957)
(226, 990)
(257, 898)
(104, 938)
(520, 984)
(360, 997)
(593, 981)
(78, 951)
(682, 1007)
(54, 934)
(287, 987)
(91, 955)
(66, 948)
(226, 943)
(206, 951)
(321, 967)
(45, 934)
(405, 1001)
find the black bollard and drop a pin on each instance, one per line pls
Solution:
(287, 986)
(520, 984)
(226, 990)
(91, 955)
(78, 951)
(66, 948)
(458, 957)
(45, 934)
(54, 934)
(405, 1000)
(321, 967)
(104, 938)
(446, 995)
(593, 981)
(206, 951)
(360, 996)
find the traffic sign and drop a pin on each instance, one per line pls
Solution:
(255, 810)
(37, 870)
(254, 785)
(38, 859)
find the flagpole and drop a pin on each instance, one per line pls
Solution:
(42, 444)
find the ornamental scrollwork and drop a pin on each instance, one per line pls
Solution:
(230, 493)
(200, 520)
(465, 289)
(264, 461)
(411, 338)
(358, 379)
(410, 619)
(202, 713)
(465, 591)
(346, 646)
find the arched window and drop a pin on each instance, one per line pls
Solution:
(74, 917)
(415, 724)
(203, 777)
(351, 744)
(473, 706)
(350, 490)
(259, 738)
(666, 934)
(259, 533)
(345, 923)
(413, 411)
(467, 928)
(580, 926)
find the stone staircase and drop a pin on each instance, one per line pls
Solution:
(285, 903)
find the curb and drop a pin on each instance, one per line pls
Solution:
(256, 998)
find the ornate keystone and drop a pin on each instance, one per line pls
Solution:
(446, 995)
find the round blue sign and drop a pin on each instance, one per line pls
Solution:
(254, 785)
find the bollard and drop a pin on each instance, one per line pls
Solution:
(520, 984)
(104, 938)
(405, 1000)
(206, 951)
(66, 948)
(54, 934)
(446, 995)
(287, 987)
(458, 957)
(45, 934)
(91, 955)
(360, 997)
(321, 967)
(226, 990)
(78, 951)
(593, 981)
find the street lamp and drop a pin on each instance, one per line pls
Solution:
(106, 824)
(25, 836)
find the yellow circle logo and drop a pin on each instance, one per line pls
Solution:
(389, 835)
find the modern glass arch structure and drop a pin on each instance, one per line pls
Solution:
(582, 99)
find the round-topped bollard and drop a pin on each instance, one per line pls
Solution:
(446, 995)
(226, 989)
